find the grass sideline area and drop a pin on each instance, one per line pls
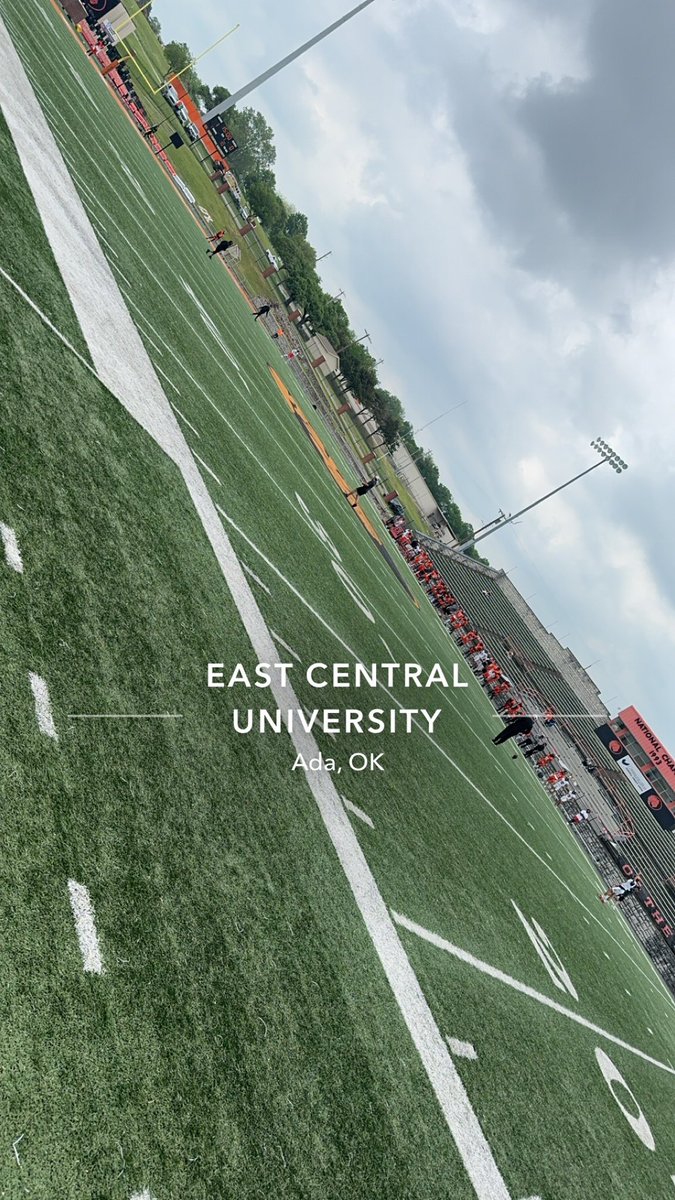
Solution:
(149, 56)
(244, 1039)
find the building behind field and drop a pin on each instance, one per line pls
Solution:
(408, 472)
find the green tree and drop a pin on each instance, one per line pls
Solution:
(178, 54)
(265, 202)
(297, 225)
(180, 57)
(212, 96)
(257, 152)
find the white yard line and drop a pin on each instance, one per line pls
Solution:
(85, 927)
(358, 812)
(80, 83)
(103, 238)
(43, 707)
(280, 641)
(525, 990)
(256, 579)
(207, 468)
(45, 319)
(169, 381)
(184, 419)
(11, 547)
(461, 1049)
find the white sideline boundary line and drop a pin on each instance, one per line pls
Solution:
(358, 812)
(485, 968)
(85, 927)
(11, 547)
(43, 707)
(36, 147)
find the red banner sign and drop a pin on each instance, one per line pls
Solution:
(649, 742)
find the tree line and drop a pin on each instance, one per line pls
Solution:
(288, 230)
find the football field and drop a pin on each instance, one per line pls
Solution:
(221, 974)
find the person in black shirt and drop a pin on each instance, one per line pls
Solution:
(264, 310)
(363, 489)
(224, 245)
(520, 725)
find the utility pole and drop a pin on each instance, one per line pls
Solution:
(354, 342)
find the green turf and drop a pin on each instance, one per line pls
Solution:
(243, 1040)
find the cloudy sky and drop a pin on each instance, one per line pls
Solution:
(496, 181)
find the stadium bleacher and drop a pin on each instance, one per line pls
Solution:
(527, 662)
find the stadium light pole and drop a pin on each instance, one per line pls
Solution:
(284, 62)
(607, 455)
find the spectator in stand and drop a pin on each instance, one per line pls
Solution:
(501, 688)
(535, 749)
(619, 891)
(584, 814)
(545, 761)
(556, 777)
(492, 672)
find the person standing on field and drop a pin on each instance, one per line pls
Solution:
(519, 725)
